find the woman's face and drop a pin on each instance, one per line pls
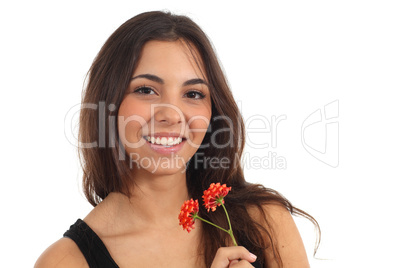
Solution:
(167, 108)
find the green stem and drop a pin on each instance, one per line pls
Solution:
(230, 226)
(198, 217)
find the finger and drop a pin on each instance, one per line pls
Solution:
(226, 254)
(242, 264)
(232, 263)
(236, 253)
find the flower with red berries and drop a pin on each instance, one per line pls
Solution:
(188, 213)
(213, 197)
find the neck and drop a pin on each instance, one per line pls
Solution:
(155, 197)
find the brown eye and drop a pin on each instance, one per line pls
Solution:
(195, 95)
(144, 90)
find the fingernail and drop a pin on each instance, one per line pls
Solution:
(253, 256)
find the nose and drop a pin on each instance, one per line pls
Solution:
(168, 114)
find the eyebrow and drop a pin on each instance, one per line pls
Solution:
(159, 80)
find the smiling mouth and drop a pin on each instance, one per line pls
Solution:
(164, 141)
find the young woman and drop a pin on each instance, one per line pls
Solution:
(158, 125)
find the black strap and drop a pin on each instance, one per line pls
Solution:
(94, 250)
(90, 245)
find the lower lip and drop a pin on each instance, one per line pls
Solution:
(166, 150)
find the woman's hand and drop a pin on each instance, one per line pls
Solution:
(233, 257)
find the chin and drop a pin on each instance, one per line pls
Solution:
(160, 171)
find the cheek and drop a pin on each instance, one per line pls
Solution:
(132, 117)
(131, 107)
(199, 122)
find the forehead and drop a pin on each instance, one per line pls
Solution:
(170, 57)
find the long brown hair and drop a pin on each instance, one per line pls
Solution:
(104, 162)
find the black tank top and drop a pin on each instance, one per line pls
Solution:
(90, 245)
(93, 249)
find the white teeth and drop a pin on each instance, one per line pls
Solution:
(165, 141)
(170, 141)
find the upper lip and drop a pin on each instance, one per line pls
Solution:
(166, 134)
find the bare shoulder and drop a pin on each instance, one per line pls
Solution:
(286, 237)
(65, 252)
(275, 214)
(62, 253)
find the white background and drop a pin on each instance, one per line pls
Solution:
(282, 58)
